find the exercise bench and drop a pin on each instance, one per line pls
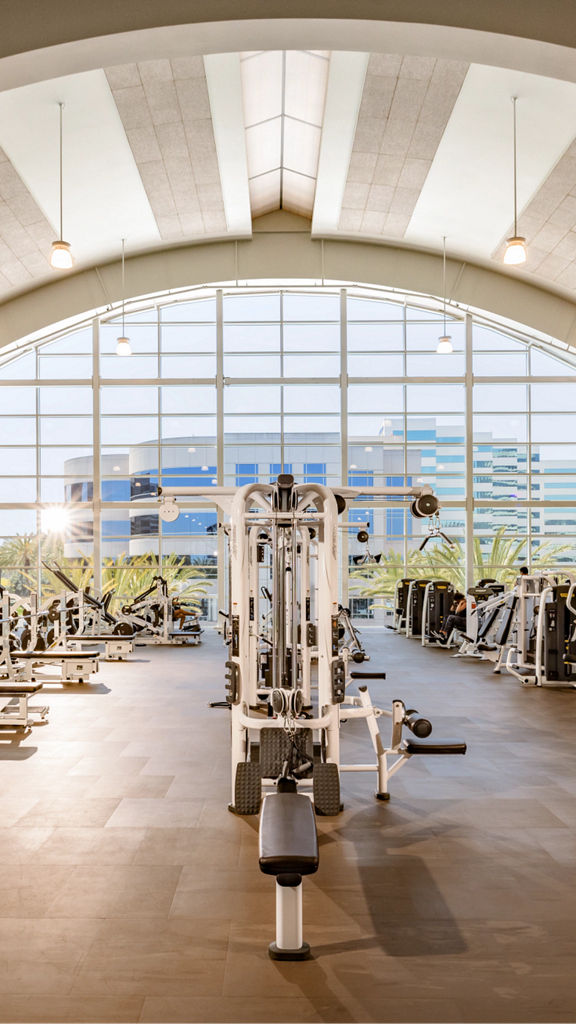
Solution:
(116, 646)
(14, 707)
(76, 665)
(288, 850)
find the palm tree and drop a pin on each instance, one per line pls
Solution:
(447, 562)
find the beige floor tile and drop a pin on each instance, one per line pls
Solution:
(156, 813)
(63, 1009)
(116, 892)
(89, 846)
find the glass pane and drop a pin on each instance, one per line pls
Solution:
(554, 459)
(252, 307)
(486, 339)
(17, 399)
(500, 428)
(57, 430)
(373, 309)
(65, 400)
(543, 363)
(69, 460)
(501, 458)
(198, 310)
(263, 365)
(375, 337)
(311, 307)
(19, 368)
(130, 430)
(551, 522)
(19, 430)
(508, 488)
(553, 396)
(492, 398)
(78, 342)
(188, 426)
(512, 521)
(376, 427)
(17, 489)
(435, 365)
(312, 364)
(424, 398)
(312, 338)
(18, 460)
(188, 399)
(135, 399)
(307, 398)
(500, 364)
(188, 338)
(192, 367)
(252, 338)
(562, 488)
(17, 521)
(129, 367)
(553, 426)
(65, 367)
(246, 398)
(376, 365)
(365, 397)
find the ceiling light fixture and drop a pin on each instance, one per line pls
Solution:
(123, 347)
(515, 252)
(445, 340)
(61, 252)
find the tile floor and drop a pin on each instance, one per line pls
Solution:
(130, 893)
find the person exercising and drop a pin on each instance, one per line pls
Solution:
(455, 620)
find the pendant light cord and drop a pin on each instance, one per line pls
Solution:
(123, 288)
(61, 105)
(444, 279)
(514, 99)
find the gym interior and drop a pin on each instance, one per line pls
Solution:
(287, 513)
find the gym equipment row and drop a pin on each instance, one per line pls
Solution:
(153, 617)
(529, 631)
(290, 682)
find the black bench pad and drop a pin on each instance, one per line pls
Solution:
(288, 838)
(101, 638)
(435, 747)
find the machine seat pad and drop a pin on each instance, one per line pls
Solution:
(288, 838)
(186, 633)
(436, 747)
(16, 690)
(54, 655)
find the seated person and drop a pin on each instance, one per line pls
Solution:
(456, 619)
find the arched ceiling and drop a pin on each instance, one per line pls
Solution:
(398, 131)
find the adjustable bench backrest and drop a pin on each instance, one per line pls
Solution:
(288, 837)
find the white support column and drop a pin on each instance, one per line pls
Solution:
(221, 583)
(469, 514)
(344, 546)
(96, 459)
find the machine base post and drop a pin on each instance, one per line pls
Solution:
(278, 954)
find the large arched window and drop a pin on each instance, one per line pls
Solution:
(232, 385)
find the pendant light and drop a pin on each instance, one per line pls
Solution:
(123, 347)
(515, 252)
(445, 340)
(61, 253)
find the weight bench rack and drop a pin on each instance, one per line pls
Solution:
(14, 707)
